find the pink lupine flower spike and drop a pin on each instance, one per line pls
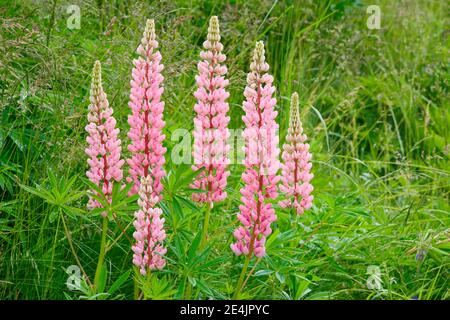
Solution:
(148, 250)
(146, 121)
(261, 160)
(211, 125)
(104, 154)
(261, 164)
(211, 121)
(296, 167)
(104, 146)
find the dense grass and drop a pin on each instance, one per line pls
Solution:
(374, 103)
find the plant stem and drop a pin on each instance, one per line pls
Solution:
(101, 257)
(251, 272)
(124, 232)
(188, 291)
(51, 23)
(69, 239)
(136, 290)
(148, 283)
(241, 278)
(205, 225)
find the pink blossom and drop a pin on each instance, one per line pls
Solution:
(146, 121)
(211, 121)
(104, 146)
(296, 165)
(149, 234)
(261, 160)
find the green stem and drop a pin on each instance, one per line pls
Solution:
(294, 221)
(101, 257)
(136, 289)
(69, 239)
(188, 292)
(205, 225)
(241, 278)
(148, 281)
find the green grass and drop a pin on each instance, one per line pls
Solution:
(374, 104)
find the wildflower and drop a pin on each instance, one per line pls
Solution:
(104, 146)
(421, 254)
(296, 166)
(146, 120)
(149, 234)
(211, 121)
(261, 160)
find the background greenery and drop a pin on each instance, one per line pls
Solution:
(374, 104)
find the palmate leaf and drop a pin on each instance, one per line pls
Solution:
(86, 292)
(209, 291)
(119, 282)
(58, 193)
(189, 175)
(44, 194)
(121, 202)
(187, 202)
(210, 266)
(193, 263)
(193, 248)
(155, 285)
(260, 273)
(179, 180)
(177, 208)
(159, 289)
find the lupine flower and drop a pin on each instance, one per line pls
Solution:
(296, 166)
(104, 146)
(210, 124)
(149, 234)
(146, 120)
(261, 160)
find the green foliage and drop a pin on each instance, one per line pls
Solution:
(85, 292)
(59, 195)
(155, 288)
(120, 203)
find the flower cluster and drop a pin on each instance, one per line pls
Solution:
(104, 146)
(296, 165)
(210, 152)
(149, 234)
(261, 159)
(146, 121)
(211, 121)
